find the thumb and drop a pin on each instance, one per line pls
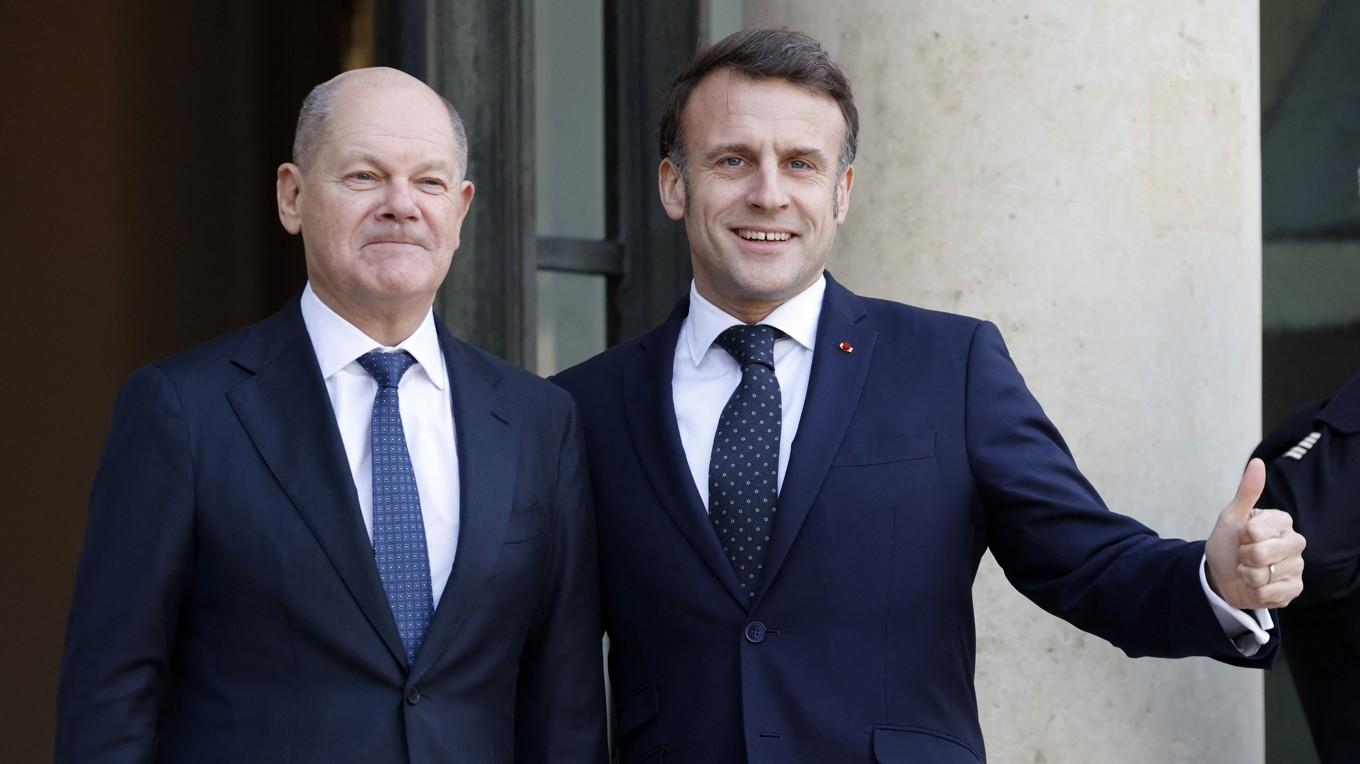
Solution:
(1249, 490)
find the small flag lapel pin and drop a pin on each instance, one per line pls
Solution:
(846, 347)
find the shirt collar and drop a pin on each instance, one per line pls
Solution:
(797, 318)
(338, 343)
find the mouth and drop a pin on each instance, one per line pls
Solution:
(394, 243)
(763, 235)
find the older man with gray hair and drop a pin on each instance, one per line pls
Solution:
(342, 534)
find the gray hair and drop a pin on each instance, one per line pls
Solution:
(315, 113)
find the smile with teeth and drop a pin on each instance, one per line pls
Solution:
(750, 235)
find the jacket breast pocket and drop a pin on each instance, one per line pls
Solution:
(865, 448)
(913, 745)
(526, 524)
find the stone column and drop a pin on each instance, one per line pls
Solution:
(1087, 176)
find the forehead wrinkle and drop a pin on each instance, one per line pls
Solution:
(762, 100)
(376, 158)
(360, 133)
(442, 157)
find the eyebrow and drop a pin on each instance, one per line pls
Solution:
(728, 148)
(814, 154)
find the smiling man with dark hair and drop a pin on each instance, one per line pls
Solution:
(794, 484)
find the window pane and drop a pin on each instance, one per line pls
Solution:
(569, 171)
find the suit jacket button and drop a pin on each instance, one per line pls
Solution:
(413, 695)
(755, 632)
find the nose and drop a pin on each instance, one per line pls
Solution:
(399, 204)
(767, 190)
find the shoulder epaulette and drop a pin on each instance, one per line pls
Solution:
(1303, 446)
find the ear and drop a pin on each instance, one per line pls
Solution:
(464, 194)
(843, 185)
(288, 189)
(671, 184)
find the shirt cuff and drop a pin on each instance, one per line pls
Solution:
(1247, 630)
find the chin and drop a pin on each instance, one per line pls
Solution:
(400, 281)
(771, 287)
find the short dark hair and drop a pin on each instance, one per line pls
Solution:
(762, 54)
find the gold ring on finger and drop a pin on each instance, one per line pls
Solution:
(1272, 574)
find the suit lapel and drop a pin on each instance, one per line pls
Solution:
(656, 439)
(834, 388)
(488, 455)
(286, 411)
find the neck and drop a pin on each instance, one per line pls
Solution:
(389, 322)
(747, 311)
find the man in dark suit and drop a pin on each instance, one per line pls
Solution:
(1314, 475)
(794, 484)
(342, 534)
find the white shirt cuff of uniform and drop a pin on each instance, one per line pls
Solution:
(1246, 630)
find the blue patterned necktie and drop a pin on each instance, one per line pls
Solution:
(398, 528)
(743, 473)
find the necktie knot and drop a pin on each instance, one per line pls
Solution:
(750, 344)
(387, 368)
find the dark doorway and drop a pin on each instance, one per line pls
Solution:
(143, 140)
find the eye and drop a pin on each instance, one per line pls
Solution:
(433, 183)
(800, 164)
(363, 176)
(731, 162)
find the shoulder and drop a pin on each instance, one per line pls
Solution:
(1293, 428)
(514, 381)
(901, 317)
(219, 364)
(536, 401)
(1339, 414)
(600, 367)
(895, 319)
(924, 335)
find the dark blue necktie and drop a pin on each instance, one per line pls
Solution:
(398, 528)
(743, 473)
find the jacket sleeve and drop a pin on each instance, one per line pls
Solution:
(131, 580)
(560, 709)
(1059, 544)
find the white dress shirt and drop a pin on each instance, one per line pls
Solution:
(704, 377)
(426, 416)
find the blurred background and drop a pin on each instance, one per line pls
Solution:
(142, 140)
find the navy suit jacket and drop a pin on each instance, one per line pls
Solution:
(228, 606)
(916, 452)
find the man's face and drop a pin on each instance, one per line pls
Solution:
(381, 202)
(762, 200)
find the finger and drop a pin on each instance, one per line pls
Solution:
(1273, 573)
(1268, 523)
(1278, 594)
(1249, 489)
(1274, 549)
(1252, 576)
